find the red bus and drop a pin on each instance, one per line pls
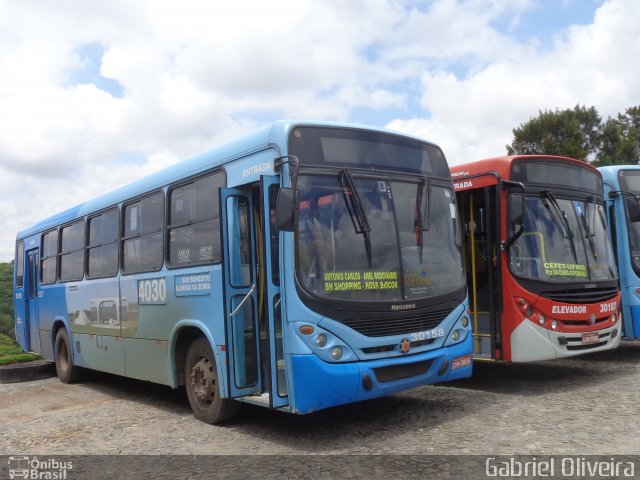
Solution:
(542, 277)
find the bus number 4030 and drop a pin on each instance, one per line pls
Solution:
(152, 291)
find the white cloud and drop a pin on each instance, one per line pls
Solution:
(196, 73)
(472, 117)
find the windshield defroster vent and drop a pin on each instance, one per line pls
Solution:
(383, 326)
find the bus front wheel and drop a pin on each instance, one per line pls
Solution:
(203, 389)
(66, 370)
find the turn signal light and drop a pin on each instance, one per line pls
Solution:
(306, 330)
(525, 307)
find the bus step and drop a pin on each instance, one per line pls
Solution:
(258, 399)
(482, 346)
(482, 357)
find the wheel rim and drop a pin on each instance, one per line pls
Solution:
(203, 381)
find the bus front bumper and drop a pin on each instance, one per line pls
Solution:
(634, 332)
(531, 342)
(318, 384)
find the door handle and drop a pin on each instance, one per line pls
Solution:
(246, 297)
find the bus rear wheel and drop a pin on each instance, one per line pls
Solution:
(66, 370)
(203, 389)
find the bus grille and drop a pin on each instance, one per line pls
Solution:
(383, 326)
(585, 322)
(582, 295)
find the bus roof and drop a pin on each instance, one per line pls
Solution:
(274, 135)
(502, 165)
(610, 172)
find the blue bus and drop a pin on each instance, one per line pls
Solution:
(303, 266)
(622, 194)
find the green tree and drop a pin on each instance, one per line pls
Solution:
(6, 288)
(620, 142)
(573, 133)
(6, 299)
(7, 326)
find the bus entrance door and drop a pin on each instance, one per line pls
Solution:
(241, 293)
(270, 297)
(482, 258)
(21, 301)
(31, 290)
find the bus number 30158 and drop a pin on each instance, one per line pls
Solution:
(427, 334)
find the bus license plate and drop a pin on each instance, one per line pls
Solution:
(589, 338)
(460, 362)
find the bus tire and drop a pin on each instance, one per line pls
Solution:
(66, 370)
(203, 388)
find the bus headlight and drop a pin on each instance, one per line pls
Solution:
(614, 319)
(323, 343)
(321, 340)
(459, 332)
(541, 319)
(554, 324)
(525, 307)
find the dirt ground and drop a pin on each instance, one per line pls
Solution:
(585, 405)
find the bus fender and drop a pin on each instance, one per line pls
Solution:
(50, 352)
(219, 358)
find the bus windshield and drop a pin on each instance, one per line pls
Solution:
(630, 185)
(563, 240)
(371, 241)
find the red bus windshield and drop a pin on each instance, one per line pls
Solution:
(564, 241)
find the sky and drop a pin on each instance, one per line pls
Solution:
(95, 94)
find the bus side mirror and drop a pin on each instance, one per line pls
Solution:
(633, 207)
(516, 213)
(285, 210)
(518, 222)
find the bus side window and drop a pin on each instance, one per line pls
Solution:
(49, 257)
(143, 239)
(19, 262)
(72, 252)
(194, 222)
(102, 245)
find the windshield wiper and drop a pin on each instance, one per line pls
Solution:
(587, 229)
(355, 209)
(553, 215)
(561, 213)
(422, 224)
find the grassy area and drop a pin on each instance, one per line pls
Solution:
(19, 358)
(12, 353)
